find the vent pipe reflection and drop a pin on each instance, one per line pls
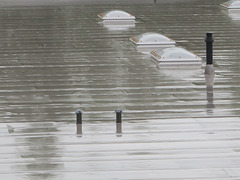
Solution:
(209, 77)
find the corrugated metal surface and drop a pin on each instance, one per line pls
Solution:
(55, 60)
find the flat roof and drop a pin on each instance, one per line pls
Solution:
(56, 60)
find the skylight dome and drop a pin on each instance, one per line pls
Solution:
(116, 15)
(232, 4)
(152, 40)
(175, 55)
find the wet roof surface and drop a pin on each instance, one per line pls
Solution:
(57, 59)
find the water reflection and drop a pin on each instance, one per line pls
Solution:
(209, 78)
(234, 14)
(181, 72)
(118, 129)
(41, 155)
(117, 25)
(79, 129)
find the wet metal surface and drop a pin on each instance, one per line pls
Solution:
(59, 58)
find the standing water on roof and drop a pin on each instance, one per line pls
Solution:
(59, 57)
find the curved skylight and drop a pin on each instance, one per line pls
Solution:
(151, 39)
(175, 55)
(232, 4)
(116, 15)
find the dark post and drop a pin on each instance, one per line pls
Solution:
(118, 116)
(79, 117)
(209, 48)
